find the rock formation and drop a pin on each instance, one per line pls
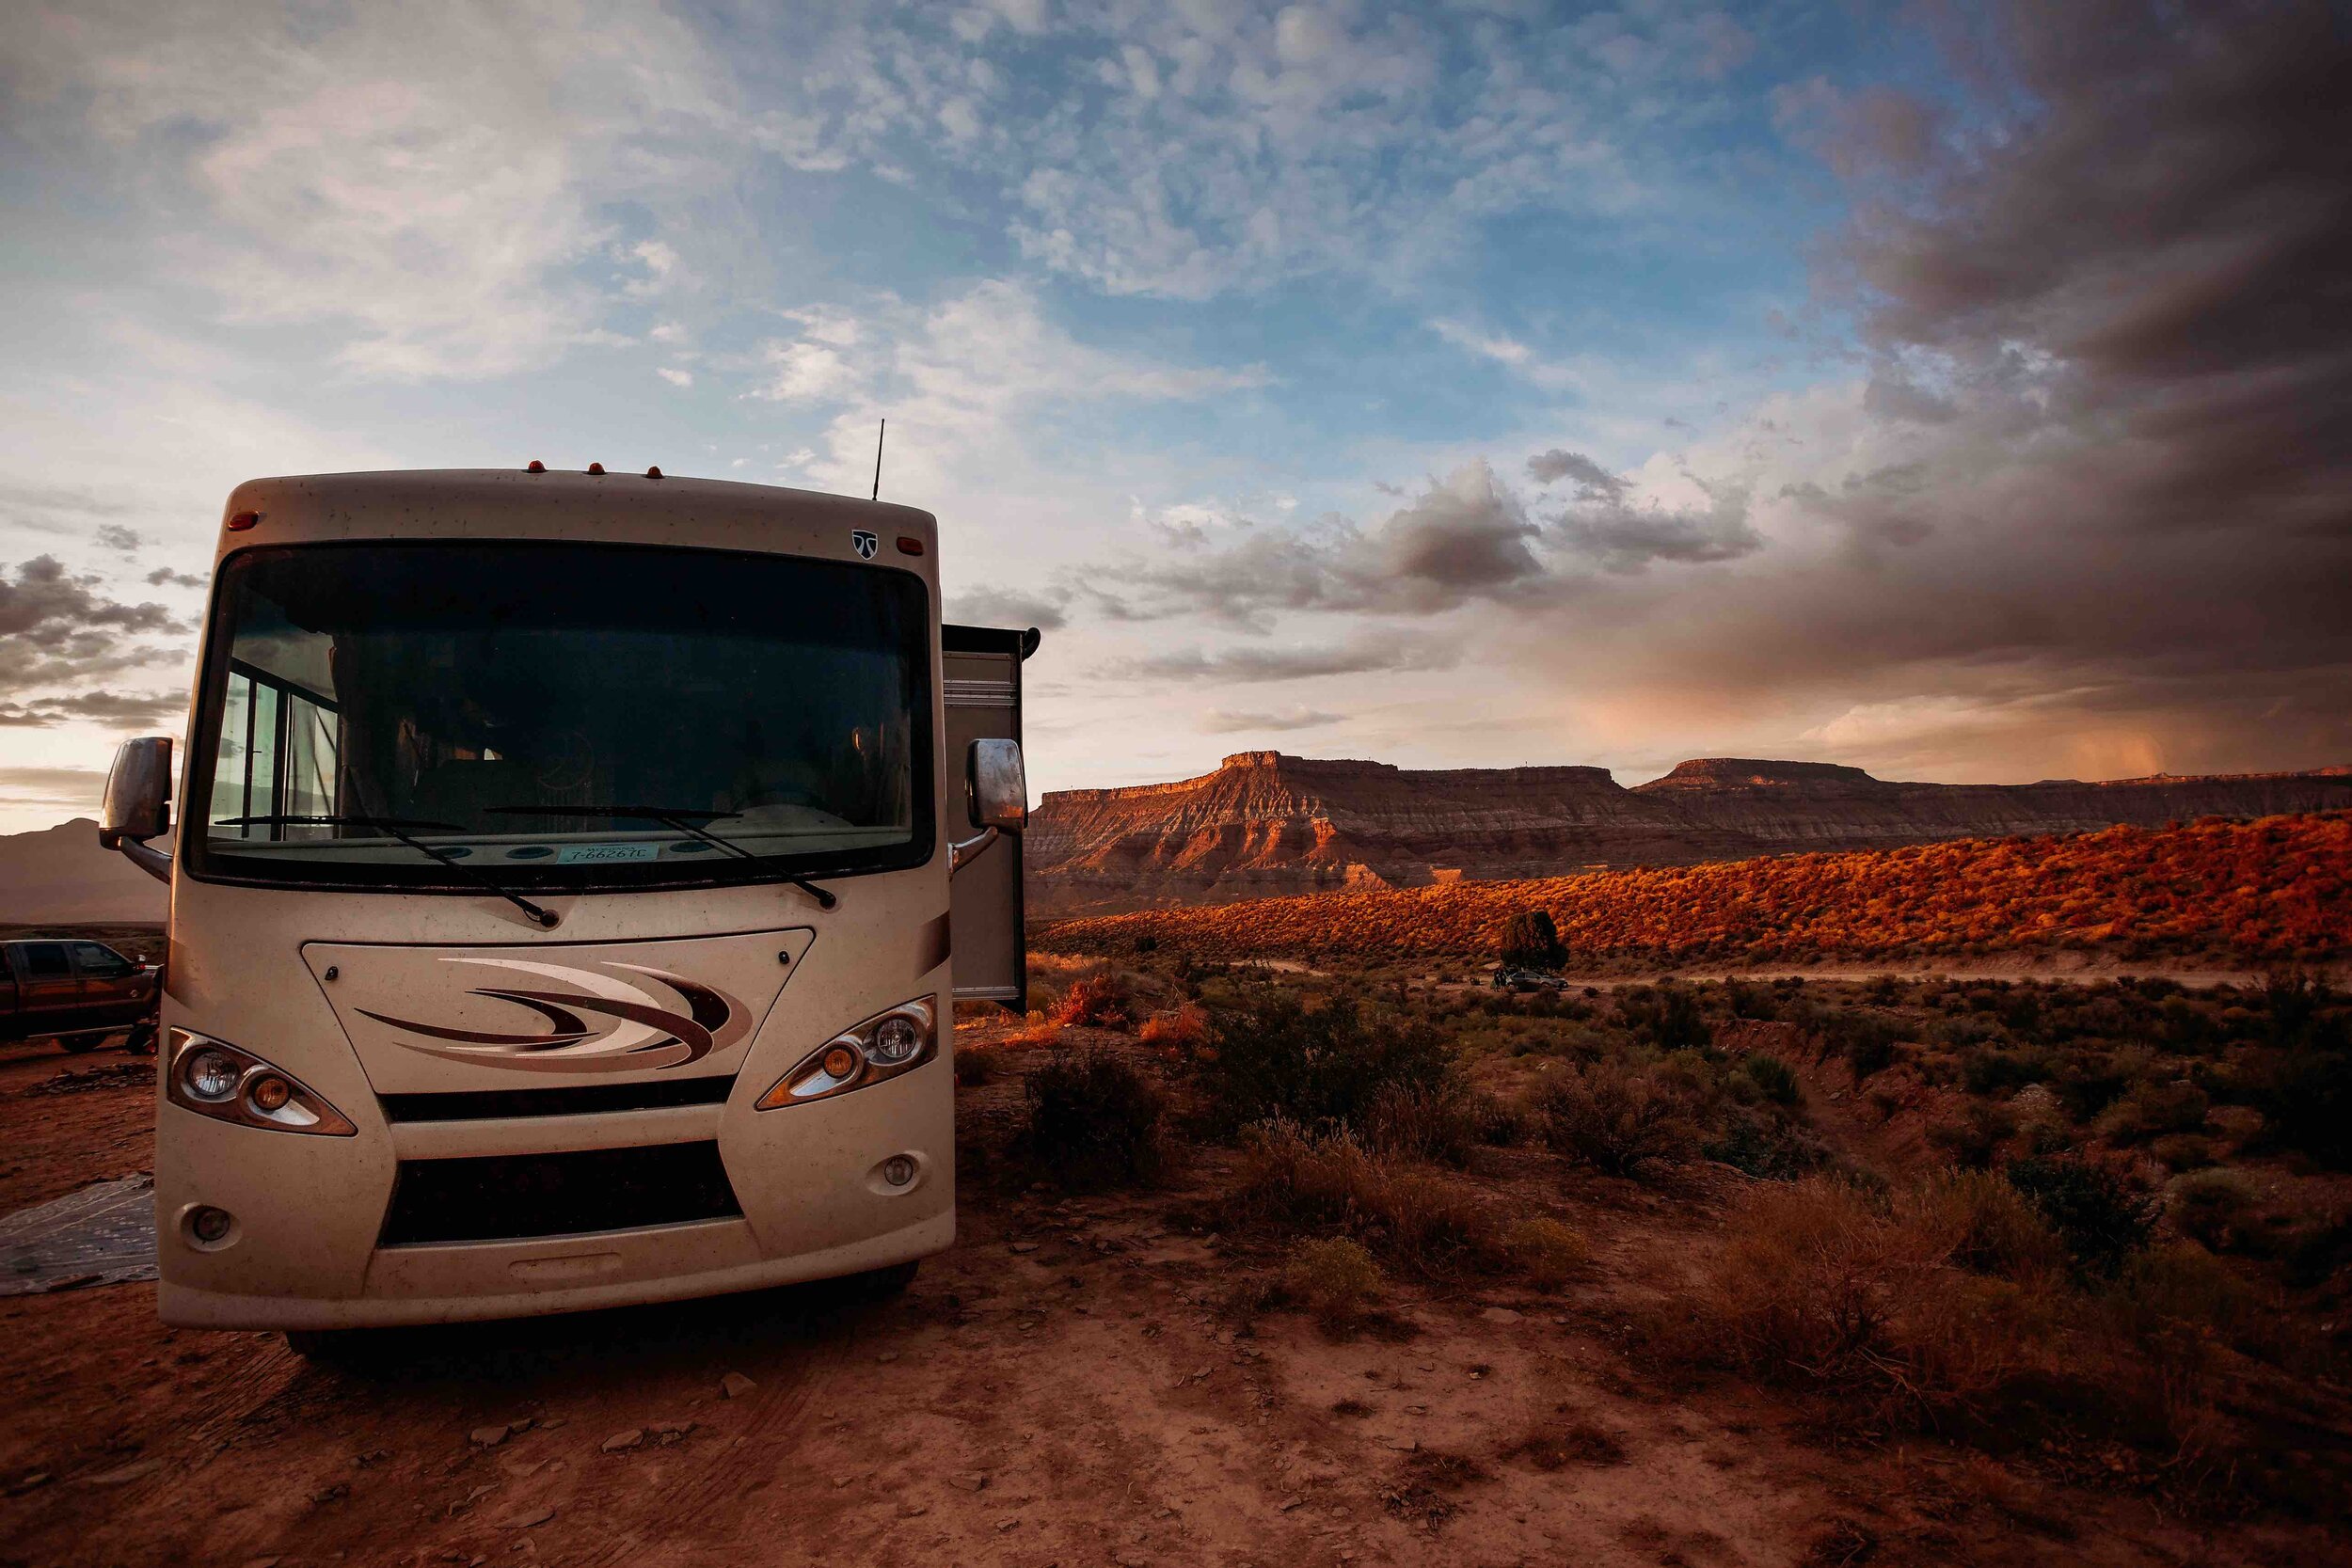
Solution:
(1266, 824)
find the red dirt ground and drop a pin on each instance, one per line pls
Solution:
(1062, 1388)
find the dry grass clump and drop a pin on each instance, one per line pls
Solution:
(1037, 1033)
(1440, 1122)
(1094, 1121)
(1182, 1029)
(1980, 1222)
(1619, 1119)
(1415, 1218)
(1334, 1278)
(974, 1066)
(1549, 1253)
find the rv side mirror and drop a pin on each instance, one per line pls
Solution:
(1000, 785)
(138, 793)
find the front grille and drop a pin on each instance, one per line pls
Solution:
(514, 1197)
(584, 1100)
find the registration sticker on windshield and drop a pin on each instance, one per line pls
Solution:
(601, 854)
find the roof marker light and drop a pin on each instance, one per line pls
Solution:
(536, 467)
(654, 473)
(596, 467)
(910, 545)
(243, 520)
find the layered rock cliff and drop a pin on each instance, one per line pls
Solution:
(1266, 824)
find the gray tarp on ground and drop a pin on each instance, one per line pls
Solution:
(103, 1235)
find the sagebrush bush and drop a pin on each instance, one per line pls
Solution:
(1665, 1016)
(1103, 1001)
(2218, 1208)
(973, 1066)
(1321, 1067)
(1974, 1136)
(1330, 1183)
(1094, 1121)
(1774, 1079)
(1865, 1040)
(1334, 1278)
(1619, 1119)
(2096, 1212)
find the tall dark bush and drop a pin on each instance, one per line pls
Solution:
(1319, 1067)
(1531, 941)
(2096, 1212)
(1094, 1121)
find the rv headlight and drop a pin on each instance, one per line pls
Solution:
(214, 1079)
(884, 1046)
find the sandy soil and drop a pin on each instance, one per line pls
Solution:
(1063, 1387)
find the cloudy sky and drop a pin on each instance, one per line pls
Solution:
(1963, 394)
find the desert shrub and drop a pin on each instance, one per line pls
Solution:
(2292, 1000)
(1770, 1147)
(1774, 1079)
(1334, 1278)
(1666, 1015)
(1545, 1251)
(1412, 1121)
(2182, 1150)
(1094, 1121)
(1988, 1071)
(1963, 1032)
(2154, 1107)
(2098, 1216)
(2185, 1285)
(2304, 1093)
(1974, 1136)
(1103, 1000)
(2215, 1208)
(1865, 1040)
(1184, 1029)
(1617, 1118)
(1320, 1067)
(1532, 940)
(973, 1068)
(2088, 1082)
(1331, 1184)
(1502, 1123)
(1978, 1222)
(1748, 1000)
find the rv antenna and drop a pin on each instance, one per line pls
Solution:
(878, 441)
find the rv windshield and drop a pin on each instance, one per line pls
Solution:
(736, 716)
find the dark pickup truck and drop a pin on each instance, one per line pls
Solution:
(79, 991)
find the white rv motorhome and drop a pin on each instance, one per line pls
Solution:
(574, 878)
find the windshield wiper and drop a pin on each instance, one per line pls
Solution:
(693, 824)
(394, 827)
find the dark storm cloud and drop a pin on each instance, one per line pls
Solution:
(2101, 470)
(116, 710)
(1220, 721)
(60, 631)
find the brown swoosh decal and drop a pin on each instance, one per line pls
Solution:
(690, 1034)
(570, 1029)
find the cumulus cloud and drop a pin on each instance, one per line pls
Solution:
(163, 575)
(428, 179)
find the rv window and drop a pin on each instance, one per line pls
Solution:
(778, 702)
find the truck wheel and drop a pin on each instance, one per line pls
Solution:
(140, 1041)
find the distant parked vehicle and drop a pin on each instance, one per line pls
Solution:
(1528, 979)
(78, 991)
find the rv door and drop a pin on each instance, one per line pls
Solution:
(982, 678)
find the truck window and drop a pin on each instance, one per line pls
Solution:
(490, 696)
(94, 958)
(44, 960)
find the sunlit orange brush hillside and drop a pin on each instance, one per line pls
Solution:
(2276, 889)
